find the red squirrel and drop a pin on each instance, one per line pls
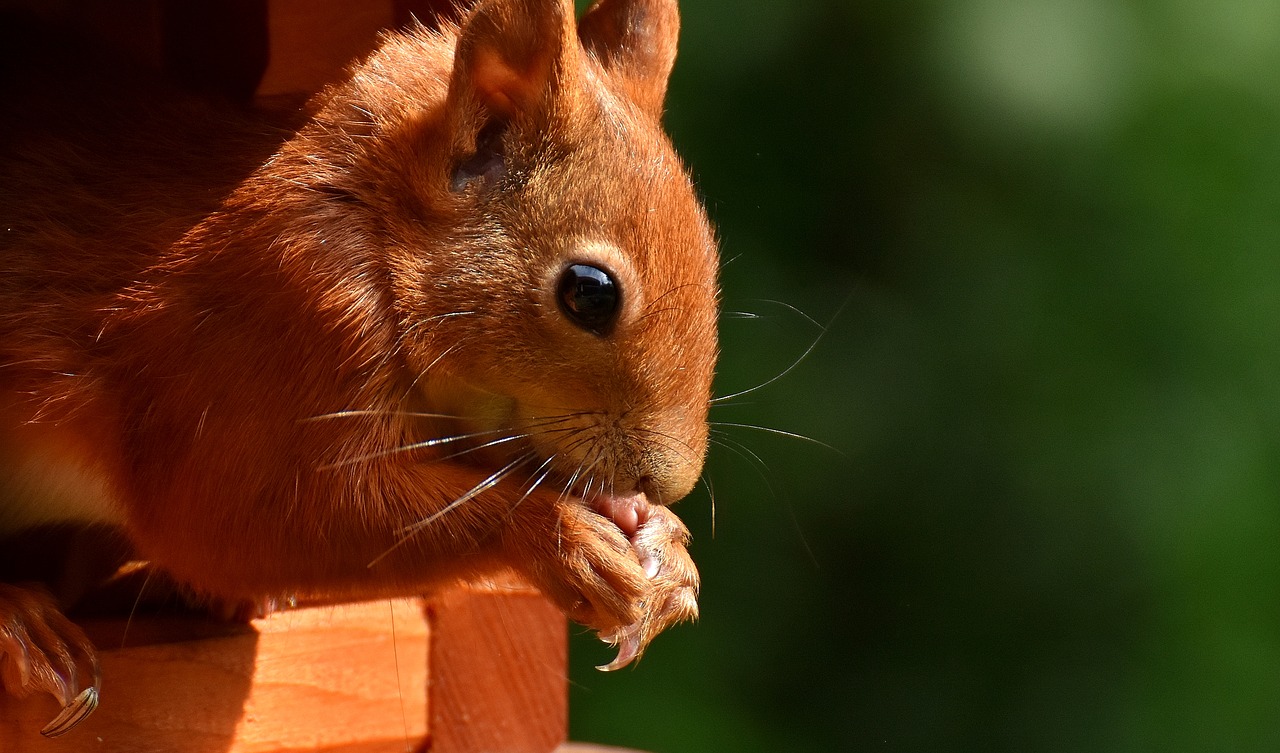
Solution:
(459, 321)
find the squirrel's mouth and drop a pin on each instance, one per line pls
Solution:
(628, 512)
(485, 430)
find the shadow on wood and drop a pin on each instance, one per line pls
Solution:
(473, 669)
(322, 678)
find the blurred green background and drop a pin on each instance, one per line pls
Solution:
(1051, 517)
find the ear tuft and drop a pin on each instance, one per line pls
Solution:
(503, 89)
(509, 53)
(636, 41)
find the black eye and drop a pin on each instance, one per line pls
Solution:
(589, 297)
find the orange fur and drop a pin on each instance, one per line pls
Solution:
(240, 332)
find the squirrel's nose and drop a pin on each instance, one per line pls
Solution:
(660, 488)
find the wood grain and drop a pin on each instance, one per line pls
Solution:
(324, 678)
(337, 679)
(498, 672)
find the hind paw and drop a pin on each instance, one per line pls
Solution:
(41, 651)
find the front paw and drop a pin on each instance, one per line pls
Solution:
(43, 651)
(620, 567)
(659, 542)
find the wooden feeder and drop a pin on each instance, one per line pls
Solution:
(480, 669)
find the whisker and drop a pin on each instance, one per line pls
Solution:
(438, 317)
(792, 309)
(124, 636)
(664, 435)
(534, 427)
(442, 355)
(380, 413)
(777, 377)
(741, 449)
(754, 460)
(759, 466)
(572, 480)
(407, 448)
(649, 309)
(410, 331)
(356, 413)
(655, 312)
(437, 441)
(483, 446)
(395, 657)
(475, 491)
(726, 262)
(533, 485)
(778, 432)
(711, 495)
(821, 334)
(737, 404)
(583, 470)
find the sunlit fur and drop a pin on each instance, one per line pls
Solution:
(258, 367)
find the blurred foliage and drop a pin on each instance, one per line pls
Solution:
(1051, 517)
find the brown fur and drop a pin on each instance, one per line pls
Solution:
(242, 359)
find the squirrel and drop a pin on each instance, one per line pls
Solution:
(460, 319)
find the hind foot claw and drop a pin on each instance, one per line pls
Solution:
(42, 651)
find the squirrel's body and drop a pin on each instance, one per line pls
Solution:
(91, 196)
(462, 319)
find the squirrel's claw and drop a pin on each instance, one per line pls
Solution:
(73, 713)
(42, 651)
(658, 541)
(627, 641)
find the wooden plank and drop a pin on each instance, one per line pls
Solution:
(498, 672)
(585, 748)
(339, 675)
(322, 678)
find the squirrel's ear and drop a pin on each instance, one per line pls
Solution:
(510, 53)
(636, 41)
